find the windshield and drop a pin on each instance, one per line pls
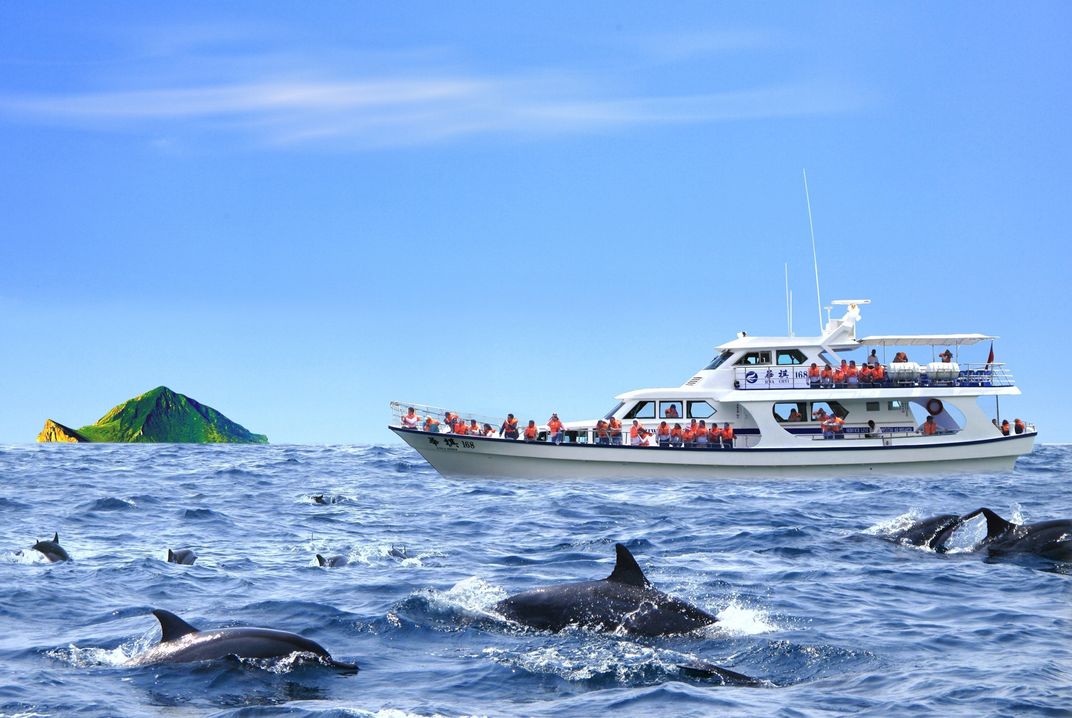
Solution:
(717, 361)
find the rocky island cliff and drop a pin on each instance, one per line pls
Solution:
(157, 416)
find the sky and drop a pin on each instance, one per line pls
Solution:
(296, 213)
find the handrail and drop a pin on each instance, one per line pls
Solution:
(976, 374)
(401, 408)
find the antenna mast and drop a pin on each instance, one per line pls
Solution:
(788, 302)
(814, 258)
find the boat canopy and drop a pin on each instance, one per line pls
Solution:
(910, 340)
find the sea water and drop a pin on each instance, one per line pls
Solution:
(811, 599)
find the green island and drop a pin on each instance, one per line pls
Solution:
(157, 416)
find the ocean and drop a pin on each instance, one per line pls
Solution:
(811, 599)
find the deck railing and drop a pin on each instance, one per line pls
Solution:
(903, 374)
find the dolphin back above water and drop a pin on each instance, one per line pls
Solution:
(52, 549)
(624, 602)
(183, 556)
(1048, 539)
(182, 643)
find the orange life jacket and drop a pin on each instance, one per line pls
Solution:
(878, 373)
(615, 427)
(689, 435)
(634, 431)
(430, 422)
(813, 371)
(929, 427)
(554, 425)
(839, 375)
(675, 433)
(530, 432)
(713, 433)
(827, 373)
(601, 430)
(851, 371)
(727, 433)
(1020, 426)
(663, 431)
(461, 428)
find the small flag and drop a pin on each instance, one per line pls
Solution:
(990, 358)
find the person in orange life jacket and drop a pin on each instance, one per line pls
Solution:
(474, 428)
(431, 425)
(671, 411)
(814, 375)
(878, 374)
(531, 432)
(662, 434)
(700, 435)
(832, 426)
(489, 430)
(929, 427)
(819, 414)
(866, 375)
(509, 427)
(634, 433)
(411, 420)
(794, 415)
(554, 429)
(852, 375)
(1005, 427)
(460, 427)
(1019, 427)
(602, 433)
(677, 436)
(714, 435)
(946, 356)
(900, 357)
(826, 376)
(689, 437)
(615, 427)
(449, 418)
(727, 436)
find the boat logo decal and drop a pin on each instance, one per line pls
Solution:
(751, 377)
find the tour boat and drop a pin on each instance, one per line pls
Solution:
(780, 413)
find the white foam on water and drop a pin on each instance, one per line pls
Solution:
(737, 619)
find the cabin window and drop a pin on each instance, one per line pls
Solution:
(754, 359)
(643, 410)
(791, 356)
(614, 411)
(790, 411)
(700, 410)
(827, 408)
(873, 405)
(717, 361)
(670, 410)
(896, 405)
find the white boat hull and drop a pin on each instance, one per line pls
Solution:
(454, 455)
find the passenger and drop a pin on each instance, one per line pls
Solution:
(794, 415)
(872, 359)
(714, 436)
(662, 435)
(411, 420)
(833, 427)
(554, 429)
(531, 432)
(1005, 427)
(489, 430)
(634, 433)
(509, 427)
(819, 414)
(946, 356)
(677, 436)
(671, 412)
(929, 427)
(615, 426)
(900, 357)
(644, 433)
(839, 377)
(852, 375)
(727, 436)
(460, 427)
(602, 434)
(449, 419)
(431, 425)
(826, 377)
(700, 438)
(1019, 427)
(866, 375)
(878, 375)
(814, 375)
(689, 437)
(871, 429)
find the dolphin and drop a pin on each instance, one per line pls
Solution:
(52, 549)
(930, 533)
(184, 556)
(182, 643)
(1048, 539)
(624, 602)
(331, 561)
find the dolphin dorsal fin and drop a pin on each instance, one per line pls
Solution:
(170, 556)
(321, 560)
(995, 525)
(56, 537)
(626, 570)
(172, 627)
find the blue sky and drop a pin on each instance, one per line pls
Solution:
(296, 213)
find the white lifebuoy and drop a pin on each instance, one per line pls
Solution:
(935, 407)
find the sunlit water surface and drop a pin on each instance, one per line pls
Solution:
(810, 597)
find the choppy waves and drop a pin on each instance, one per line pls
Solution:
(809, 596)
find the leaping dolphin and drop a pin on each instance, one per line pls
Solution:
(624, 601)
(52, 549)
(182, 643)
(184, 556)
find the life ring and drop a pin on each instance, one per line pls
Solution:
(934, 407)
